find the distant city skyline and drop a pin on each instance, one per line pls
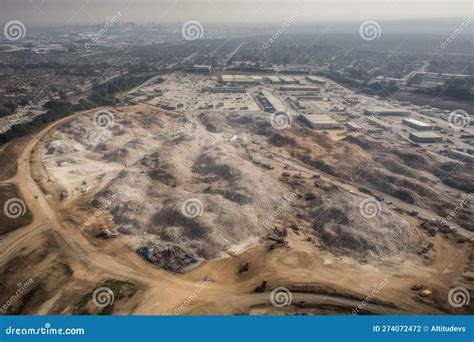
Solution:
(61, 12)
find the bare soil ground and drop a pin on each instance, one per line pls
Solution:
(246, 234)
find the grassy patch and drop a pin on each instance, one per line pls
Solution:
(122, 290)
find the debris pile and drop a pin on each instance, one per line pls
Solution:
(170, 257)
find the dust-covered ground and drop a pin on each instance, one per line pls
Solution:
(174, 205)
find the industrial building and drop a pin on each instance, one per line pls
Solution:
(319, 121)
(316, 80)
(242, 79)
(418, 125)
(379, 124)
(425, 137)
(289, 80)
(274, 79)
(224, 89)
(387, 112)
(353, 127)
(270, 102)
(202, 68)
(299, 88)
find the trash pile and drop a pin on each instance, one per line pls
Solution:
(170, 257)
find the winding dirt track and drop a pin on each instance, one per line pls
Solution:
(164, 291)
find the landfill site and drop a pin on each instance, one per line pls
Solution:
(208, 194)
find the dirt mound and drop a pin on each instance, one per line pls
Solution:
(347, 225)
(119, 155)
(58, 147)
(200, 193)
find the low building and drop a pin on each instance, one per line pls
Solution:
(274, 79)
(202, 68)
(425, 137)
(299, 88)
(418, 125)
(386, 112)
(224, 89)
(319, 121)
(353, 127)
(289, 80)
(316, 80)
(241, 79)
(275, 103)
(379, 124)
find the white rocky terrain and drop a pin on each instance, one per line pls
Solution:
(185, 190)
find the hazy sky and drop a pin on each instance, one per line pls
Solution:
(44, 12)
